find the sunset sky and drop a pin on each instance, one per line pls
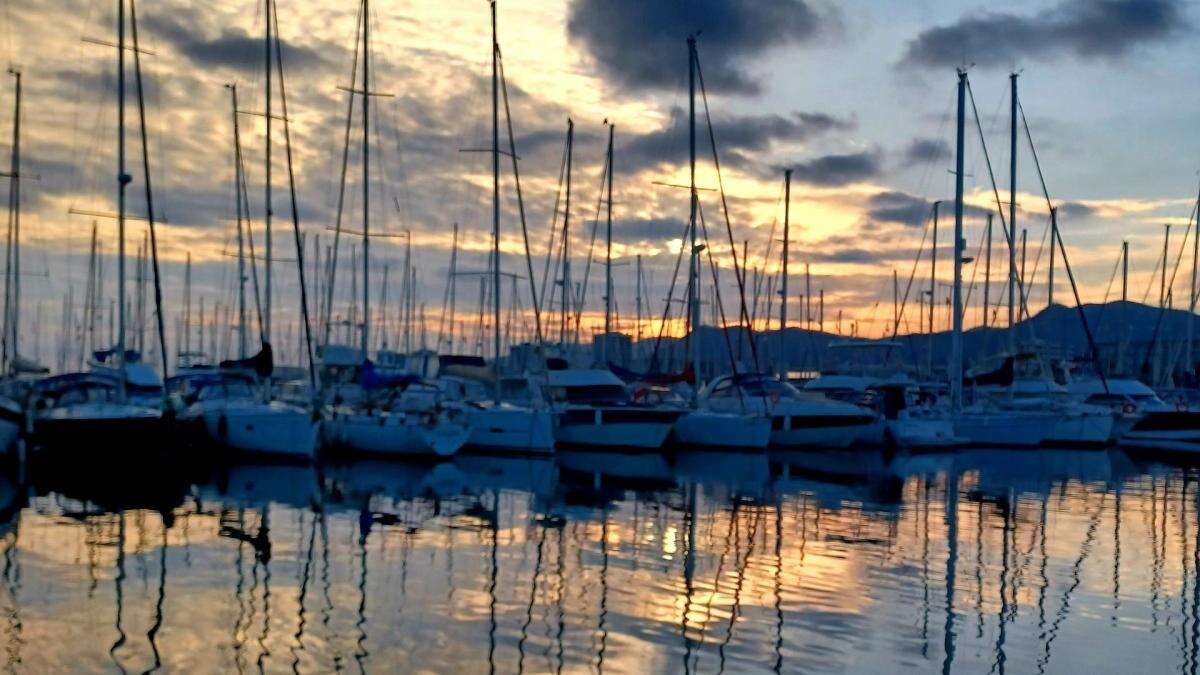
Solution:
(857, 97)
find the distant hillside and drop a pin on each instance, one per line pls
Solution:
(1116, 325)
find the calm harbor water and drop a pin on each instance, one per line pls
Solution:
(977, 561)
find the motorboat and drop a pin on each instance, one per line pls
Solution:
(518, 421)
(593, 409)
(1148, 422)
(798, 419)
(701, 428)
(85, 409)
(1022, 385)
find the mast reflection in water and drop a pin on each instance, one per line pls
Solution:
(976, 561)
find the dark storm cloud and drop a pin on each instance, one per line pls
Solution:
(897, 207)
(738, 138)
(1084, 28)
(648, 229)
(640, 44)
(923, 150)
(1075, 210)
(846, 255)
(232, 48)
(902, 208)
(838, 169)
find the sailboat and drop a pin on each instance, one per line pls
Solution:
(704, 426)
(73, 410)
(987, 422)
(369, 409)
(232, 405)
(13, 388)
(496, 423)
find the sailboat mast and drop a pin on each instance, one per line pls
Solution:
(987, 274)
(495, 205)
(237, 192)
(932, 280)
(1162, 286)
(783, 285)
(1189, 363)
(1124, 271)
(1012, 214)
(453, 287)
(266, 329)
(956, 350)
(12, 295)
(366, 186)
(895, 300)
(123, 179)
(608, 283)
(693, 276)
(187, 304)
(1053, 246)
(566, 242)
(638, 298)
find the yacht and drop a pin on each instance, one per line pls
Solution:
(700, 428)
(519, 420)
(909, 425)
(593, 408)
(798, 419)
(87, 408)
(14, 393)
(1147, 421)
(230, 408)
(1022, 385)
(392, 414)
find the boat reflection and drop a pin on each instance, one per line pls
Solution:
(693, 561)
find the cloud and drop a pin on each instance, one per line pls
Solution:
(838, 169)
(924, 150)
(640, 44)
(901, 208)
(897, 207)
(1087, 29)
(648, 229)
(1076, 210)
(232, 48)
(738, 137)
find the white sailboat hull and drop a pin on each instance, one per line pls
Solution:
(1082, 429)
(510, 428)
(396, 433)
(992, 429)
(915, 433)
(269, 429)
(814, 436)
(631, 428)
(705, 428)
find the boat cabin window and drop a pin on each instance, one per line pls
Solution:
(599, 393)
(758, 387)
(1107, 399)
(77, 395)
(225, 390)
(515, 390)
